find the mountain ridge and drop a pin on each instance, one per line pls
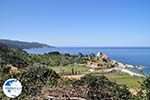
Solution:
(22, 44)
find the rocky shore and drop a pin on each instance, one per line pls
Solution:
(118, 66)
(117, 69)
(125, 68)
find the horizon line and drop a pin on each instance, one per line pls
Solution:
(113, 46)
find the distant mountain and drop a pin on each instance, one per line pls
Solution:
(23, 45)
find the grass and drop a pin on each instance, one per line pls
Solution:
(133, 82)
(66, 69)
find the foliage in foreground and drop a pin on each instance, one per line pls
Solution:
(90, 87)
(100, 88)
(144, 93)
(34, 80)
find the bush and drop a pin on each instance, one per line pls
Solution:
(144, 93)
(34, 79)
(100, 88)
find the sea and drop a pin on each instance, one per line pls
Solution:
(128, 55)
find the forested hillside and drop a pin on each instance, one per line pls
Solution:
(12, 56)
(22, 45)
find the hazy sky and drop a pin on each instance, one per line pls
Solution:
(77, 22)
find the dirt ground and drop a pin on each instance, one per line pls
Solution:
(73, 76)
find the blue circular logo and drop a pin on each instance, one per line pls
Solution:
(12, 88)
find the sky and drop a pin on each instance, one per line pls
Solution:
(77, 22)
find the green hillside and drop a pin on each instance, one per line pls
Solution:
(12, 56)
(22, 45)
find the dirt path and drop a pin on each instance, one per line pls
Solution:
(73, 76)
(133, 91)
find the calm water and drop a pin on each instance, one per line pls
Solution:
(128, 55)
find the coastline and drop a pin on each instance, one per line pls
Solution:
(121, 55)
(126, 71)
(125, 68)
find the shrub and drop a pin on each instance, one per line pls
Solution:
(100, 88)
(34, 79)
(144, 93)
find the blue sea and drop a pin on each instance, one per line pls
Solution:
(128, 55)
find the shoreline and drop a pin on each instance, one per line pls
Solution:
(127, 71)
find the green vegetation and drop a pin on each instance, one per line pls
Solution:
(40, 76)
(71, 70)
(12, 56)
(132, 82)
(144, 93)
(101, 88)
(55, 59)
(33, 80)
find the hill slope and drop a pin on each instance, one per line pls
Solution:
(22, 45)
(12, 56)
